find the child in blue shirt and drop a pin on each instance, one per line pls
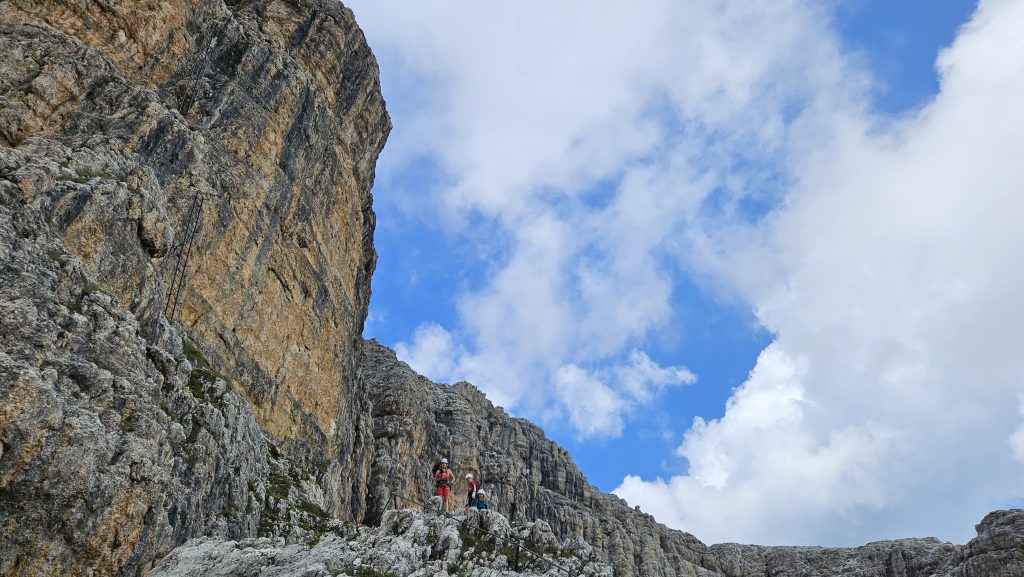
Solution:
(481, 500)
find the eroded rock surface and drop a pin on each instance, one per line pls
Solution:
(117, 443)
(114, 449)
(483, 544)
(268, 111)
(407, 543)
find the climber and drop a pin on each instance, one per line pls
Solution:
(443, 480)
(481, 500)
(472, 487)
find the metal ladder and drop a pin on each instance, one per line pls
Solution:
(183, 251)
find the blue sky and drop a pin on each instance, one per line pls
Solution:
(747, 263)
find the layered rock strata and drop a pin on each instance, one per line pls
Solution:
(112, 450)
(117, 440)
(270, 113)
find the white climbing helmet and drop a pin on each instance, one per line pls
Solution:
(481, 492)
(469, 476)
(445, 461)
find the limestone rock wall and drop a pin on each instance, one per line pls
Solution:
(268, 110)
(113, 450)
(408, 542)
(116, 443)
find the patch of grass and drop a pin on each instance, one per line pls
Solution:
(84, 174)
(91, 287)
(366, 571)
(279, 486)
(128, 425)
(266, 525)
(54, 255)
(483, 544)
(88, 288)
(202, 371)
(315, 521)
(194, 355)
(193, 434)
(196, 386)
(312, 509)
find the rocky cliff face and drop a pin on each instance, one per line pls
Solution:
(117, 442)
(267, 111)
(258, 414)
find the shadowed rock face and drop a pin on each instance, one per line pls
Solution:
(119, 441)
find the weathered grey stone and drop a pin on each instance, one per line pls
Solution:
(115, 450)
(407, 543)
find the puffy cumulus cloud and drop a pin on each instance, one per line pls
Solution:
(546, 98)
(598, 401)
(761, 465)
(432, 351)
(888, 403)
(589, 138)
(594, 409)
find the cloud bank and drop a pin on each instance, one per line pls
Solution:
(616, 149)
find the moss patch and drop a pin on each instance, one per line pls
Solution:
(365, 571)
(88, 287)
(202, 372)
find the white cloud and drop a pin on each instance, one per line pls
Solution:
(588, 137)
(431, 352)
(892, 273)
(641, 380)
(593, 140)
(594, 409)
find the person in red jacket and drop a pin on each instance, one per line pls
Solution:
(473, 487)
(443, 480)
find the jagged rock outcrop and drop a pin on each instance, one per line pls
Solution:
(411, 543)
(259, 412)
(407, 543)
(997, 551)
(415, 422)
